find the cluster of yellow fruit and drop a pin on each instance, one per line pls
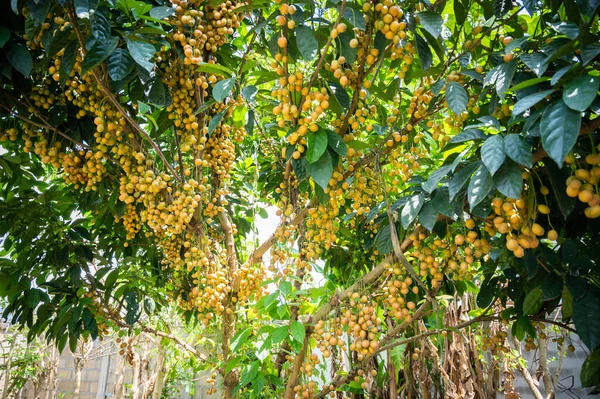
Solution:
(330, 335)
(36, 41)
(495, 342)
(388, 20)
(364, 325)
(397, 287)
(584, 184)
(202, 29)
(512, 217)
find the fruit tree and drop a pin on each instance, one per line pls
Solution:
(435, 167)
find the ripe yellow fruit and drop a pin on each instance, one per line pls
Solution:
(512, 244)
(353, 43)
(592, 212)
(537, 230)
(543, 209)
(552, 235)
(508, 57)
(282, 42)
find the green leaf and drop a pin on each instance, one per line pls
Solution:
(316, 145)
(340, 95)
(161, 12)
(529, 101)
(434, 178)
(460, 179)
(214, 122)
(501, 7)
(20, 59)
(589, 52)
(590, 370)
(533, 301)
(432, 22)
(567, 303)
(552, 287)
(460, 12)
(120, 64)
(569, 29)
(557, 179)
(457, 97)
(411, 210)
(98, 52)
(142, 52)
(321, 170)
(487, 292)
(468, 135)
(149, 305)
(355, 17)
(240, 339)
(586, 316)
(518, 150)
(424, 51)
(297, 330)
(336, 143)
(214, 69)
(4, 35)
(83, 7)
(383, 240)
(580, 93)
(480, 186)
(492, 153)
(307, 44)
(249, 93)
(536, 62)
(559, 128)
(428, 216)
(222, 89)
(279, 334)
(133, 308)
(504, 77)
(509, 180)
(158, 94)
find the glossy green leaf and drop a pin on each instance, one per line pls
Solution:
(533, 301)
(457, 97)
(411, 209)
(20, 59)
(297, 330)
(559, 128)
(518, 150)
(240, 339)
(581, 92)
(480, 186)
(316, 145)
(590, 370)
(432, 22)
(249, 93)
(161, 12)
(321, 170)
(222, 89)
(586, 316)
(4, 35)
(83, 8)
(142, 52)
(307, 44)
(355, 17)
(336, 143)
(509, 181)
(492, 153)
(529, 101)
(461, 178)
(120, 64)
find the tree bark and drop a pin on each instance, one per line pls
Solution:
(119, 376)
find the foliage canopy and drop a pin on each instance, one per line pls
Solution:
(429, 161)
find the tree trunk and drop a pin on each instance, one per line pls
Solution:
(136, 385)
(8, 366)
(119, 377)
(156, 382)
(78, 369)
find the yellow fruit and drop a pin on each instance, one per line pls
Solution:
(537, 230)
(552, 235)
(512, 244)
(508, 57)
(544, 190)
(544, 209)
(282, 42)
(592, 212)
